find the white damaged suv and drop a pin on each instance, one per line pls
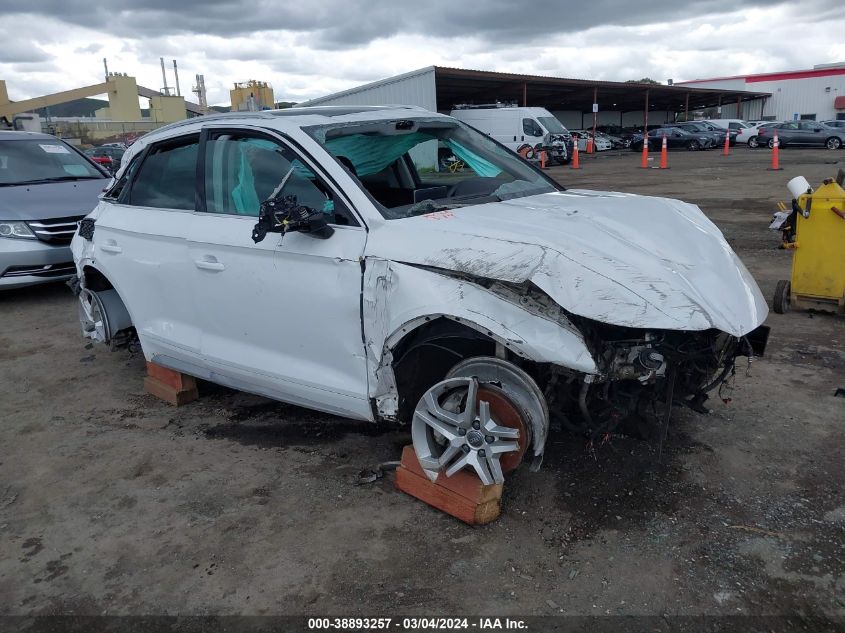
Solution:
(316, 256)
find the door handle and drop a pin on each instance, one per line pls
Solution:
(111, 247)
(209, 264)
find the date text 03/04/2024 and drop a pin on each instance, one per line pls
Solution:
(416, 624)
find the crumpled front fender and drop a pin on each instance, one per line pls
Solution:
(398, 298)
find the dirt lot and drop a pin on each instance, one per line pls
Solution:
(112, 502)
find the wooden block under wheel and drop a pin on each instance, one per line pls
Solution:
(462, 495)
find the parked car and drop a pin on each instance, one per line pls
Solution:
(717, 138)
(602, 143)
(751, 135)
(46, 187)
(729, 124)
(676, 138)
(625, 133)
(836, 123)
(108, 156)
(616, 142)
(519, 129)
(802, 133)
(733, 132)
(314, 263)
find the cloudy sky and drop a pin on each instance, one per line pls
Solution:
(310, 48)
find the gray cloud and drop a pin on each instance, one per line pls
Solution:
(340, 24)
(18, 50)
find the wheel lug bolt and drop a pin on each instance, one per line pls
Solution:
(462, 432)
(489, 439)
(476, 425)
(465, 448)
(482, 453)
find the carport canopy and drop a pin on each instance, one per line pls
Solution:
(461, 86)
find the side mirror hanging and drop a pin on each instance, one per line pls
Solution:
(283, 215)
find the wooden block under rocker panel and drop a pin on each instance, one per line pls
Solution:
(169, 385)
(462, 495)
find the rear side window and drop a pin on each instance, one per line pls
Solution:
(167, 177)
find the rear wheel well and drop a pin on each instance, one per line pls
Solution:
(424, 356)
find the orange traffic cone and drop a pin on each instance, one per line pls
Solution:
(644, 164)
(543, 159)
(727, 150)
(775, 154)
(664, 157)
(589, 145)
(576, 163)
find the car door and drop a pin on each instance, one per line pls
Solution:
(139, 244)
(281, 317)
(789, 133)
(532, 133)
(811, 133)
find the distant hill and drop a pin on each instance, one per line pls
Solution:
(78, 107)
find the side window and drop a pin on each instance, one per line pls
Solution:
(119, 191)
(530, 127)
(167, 177)
(241, 171)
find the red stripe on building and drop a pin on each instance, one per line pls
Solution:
(799, 74)
(794, 74)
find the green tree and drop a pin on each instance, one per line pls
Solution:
(644, 80)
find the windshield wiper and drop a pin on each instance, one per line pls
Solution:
(56, 179)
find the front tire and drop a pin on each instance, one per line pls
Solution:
(833, 143)
(693, 146)
(771, 143)
(753, 143)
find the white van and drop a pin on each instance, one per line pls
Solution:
(526, 131)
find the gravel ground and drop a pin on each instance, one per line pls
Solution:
(112, 502)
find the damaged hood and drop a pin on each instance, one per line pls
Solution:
(621, 259)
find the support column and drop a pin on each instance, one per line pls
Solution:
(524, 94)
(739, 107)
(595, 116)
(686, 109)
(645, 113)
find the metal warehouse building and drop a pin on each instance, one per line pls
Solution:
(570, 100)
(817, 94)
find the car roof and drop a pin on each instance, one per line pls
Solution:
(291, 118)
(286, 120)
(20, 135)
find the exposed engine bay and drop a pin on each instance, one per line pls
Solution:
(640, 370)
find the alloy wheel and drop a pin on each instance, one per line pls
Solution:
(454, 427)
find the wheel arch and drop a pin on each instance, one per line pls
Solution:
(407, 309)
(92, 278)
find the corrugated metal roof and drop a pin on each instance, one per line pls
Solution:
(450, 86)
(365, 87)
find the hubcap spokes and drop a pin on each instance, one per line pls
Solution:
(448, 440)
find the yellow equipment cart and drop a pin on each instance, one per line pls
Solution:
(818, 261)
